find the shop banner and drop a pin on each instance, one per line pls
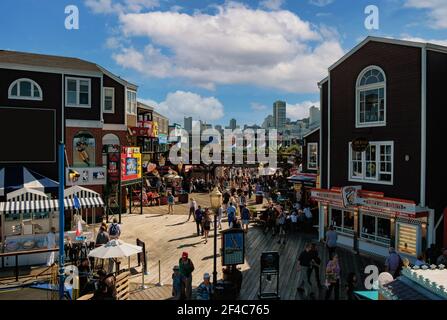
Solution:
(86, 176)
(162, 138)
(233, 247)
(400, 208)
(155, 129)
(349, 194)
(130, 163)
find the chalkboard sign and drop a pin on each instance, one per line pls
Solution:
(270, 262)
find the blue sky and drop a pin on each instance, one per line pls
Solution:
(216, 60)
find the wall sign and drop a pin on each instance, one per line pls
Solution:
(349, 195)
(87, 176)
(130, 163)
(359, 144)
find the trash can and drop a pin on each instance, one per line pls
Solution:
(259, 197)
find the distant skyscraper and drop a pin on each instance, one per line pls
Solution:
(268, 122)
(187, 124)
(232, 124)
(279, 114)
(314, 115)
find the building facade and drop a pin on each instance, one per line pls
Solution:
(379, 148)
(279, 114)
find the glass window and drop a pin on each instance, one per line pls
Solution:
(374, 164)
(25, 89)
(371, 97)
(343, 221)
(369, 225)
(109, 100)
(375, 229)
(131, 102)
(78, 92)
(312, 155)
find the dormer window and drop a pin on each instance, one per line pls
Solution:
(25, 89)
(371, 98)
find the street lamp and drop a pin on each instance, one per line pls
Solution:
(216, 201)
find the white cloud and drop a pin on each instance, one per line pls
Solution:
(418, 39)
(320, 3)
(272, 4)
(176, 8)
(258, 106)
(300, 110)
(236, 45)
(120, 7)
(437, 11)
(180, 104)
(112, 43)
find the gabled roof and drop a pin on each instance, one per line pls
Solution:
(310, 132)
(429, 46)
(44, 60)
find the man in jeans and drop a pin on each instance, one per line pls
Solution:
(198, 217)
(186, 268)
(304, 264)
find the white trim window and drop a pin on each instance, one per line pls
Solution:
(131, 103)
(312, 156)
(374, 165)
(78, 92)
(342, 220)
(25, 89)
(109, 100)
(371, 98)
(374, 228)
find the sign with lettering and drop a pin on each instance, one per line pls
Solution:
(233, 247)
(349, 195)
(359, 144)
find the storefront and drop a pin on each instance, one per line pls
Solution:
(303, 183)
(369, 222)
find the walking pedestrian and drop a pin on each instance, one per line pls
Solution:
(393, 263)
(231, 214)
(192, 208)
(186, 268)
(245, 216)
(171, 201)
(314, 265)
(102, 237)
(282, 227)
(304, 261)
(198, 218)
(331, 241)
(51, 244)
(333, 278)
(219, 218)
(206, 223)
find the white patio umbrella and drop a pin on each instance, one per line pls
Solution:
(115, 249)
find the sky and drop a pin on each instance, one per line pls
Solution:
(214, 59)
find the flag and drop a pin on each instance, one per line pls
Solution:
(79, 228)
(76, 203)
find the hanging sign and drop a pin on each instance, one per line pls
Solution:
(359, 144)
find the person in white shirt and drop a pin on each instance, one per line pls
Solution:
(192, 208)
(219, 217)
(51, 244)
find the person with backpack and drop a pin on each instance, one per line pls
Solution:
(186, 268)
(245, 216)
(198, 217)
(394, 263)
(102, 237)
(114, 230)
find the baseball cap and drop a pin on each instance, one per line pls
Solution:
(175, 268)
(206, 276)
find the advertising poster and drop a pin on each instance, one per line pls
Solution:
(113, 161)
(86, 176)
(130, 163)
(155, 129)
(162, 138)
(83, 150)
(233, 251)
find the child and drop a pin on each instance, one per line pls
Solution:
(176, 283)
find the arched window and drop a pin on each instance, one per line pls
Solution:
(84, 150)
(371, 98)
(26, 89)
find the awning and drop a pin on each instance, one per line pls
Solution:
(25, 206)
(18, 177)
(303, 177)
(91, 202)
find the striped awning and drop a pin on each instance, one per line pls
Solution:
(25, 206)
(88, 202)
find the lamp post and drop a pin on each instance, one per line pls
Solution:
(216, 201)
